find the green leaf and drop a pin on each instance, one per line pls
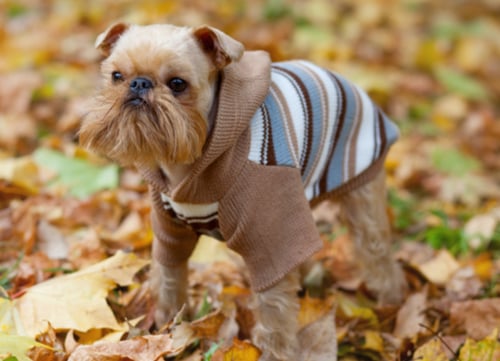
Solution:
(208, 355)
(454, 162)
(205, 308)
(80, 177)
(462, 84)
(16, 346)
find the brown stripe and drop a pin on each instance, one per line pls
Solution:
(308, 115)
(340, 125)
(201, 227)
(383, 136)
(351, 158)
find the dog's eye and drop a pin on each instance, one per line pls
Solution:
(116, 76)
(177, 85)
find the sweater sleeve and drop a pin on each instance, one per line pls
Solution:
(266, 218)
(173, 242)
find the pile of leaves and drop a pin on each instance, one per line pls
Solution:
(74, 228)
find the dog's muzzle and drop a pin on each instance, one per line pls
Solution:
(138, 89)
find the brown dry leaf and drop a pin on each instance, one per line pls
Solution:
(480, 229)
(318, 341)
(464, 284)
(51, 240)
(411, 316)
(17, 90)
(209, 325)
(478, 318)
(143, 348)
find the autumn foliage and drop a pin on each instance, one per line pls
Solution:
(74, 228)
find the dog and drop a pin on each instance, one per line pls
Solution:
(240, 148)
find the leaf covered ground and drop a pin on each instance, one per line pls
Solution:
(67, 289)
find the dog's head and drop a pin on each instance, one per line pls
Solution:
(159, 86)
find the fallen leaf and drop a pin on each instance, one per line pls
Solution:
(478, 318)
(237, 351)
(480, 229)
(410, 316)
(17, 346)
(78, 300)
(317, 340)
(209, 325)
(462, 84)
(487, 349)
(439, 269)
(51, 241)
(209, 250)
(143, 348)
(313, 309)
(78, 176)
(349, 309)
(22, 172)
(430, 351)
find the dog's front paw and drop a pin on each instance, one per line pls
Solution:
(275, 346)
(169, 287)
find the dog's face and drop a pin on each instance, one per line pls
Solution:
(159, 86)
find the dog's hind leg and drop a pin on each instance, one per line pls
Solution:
(364, 212)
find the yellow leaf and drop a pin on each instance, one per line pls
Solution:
(373, 341)
(430, 54)
(209, 250)
(8, 316)
(242, 351)
(484, 350)
(352, 310)
(430, 351)
(312, 309)
(78, 301)
(17, 346)
(22, 172)
(440, 268)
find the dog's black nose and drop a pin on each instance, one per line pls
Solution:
(140, 85)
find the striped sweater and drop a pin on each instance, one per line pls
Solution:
(285, 136)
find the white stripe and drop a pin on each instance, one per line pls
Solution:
(256, 136)
(331, 120)
(189, 210)
(366, 138)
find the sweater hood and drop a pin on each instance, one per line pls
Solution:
(243, 88)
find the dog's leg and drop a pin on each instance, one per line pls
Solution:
(364, 211)
(170, 285)
(276, 313)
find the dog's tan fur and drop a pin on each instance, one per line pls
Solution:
(170, 133)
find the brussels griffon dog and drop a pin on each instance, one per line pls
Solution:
(240, 148)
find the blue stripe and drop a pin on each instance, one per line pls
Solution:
(314, 95)
(282, 150)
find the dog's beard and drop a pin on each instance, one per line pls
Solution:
(146, 131)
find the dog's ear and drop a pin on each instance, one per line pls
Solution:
(221, 48)
(107, 39)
